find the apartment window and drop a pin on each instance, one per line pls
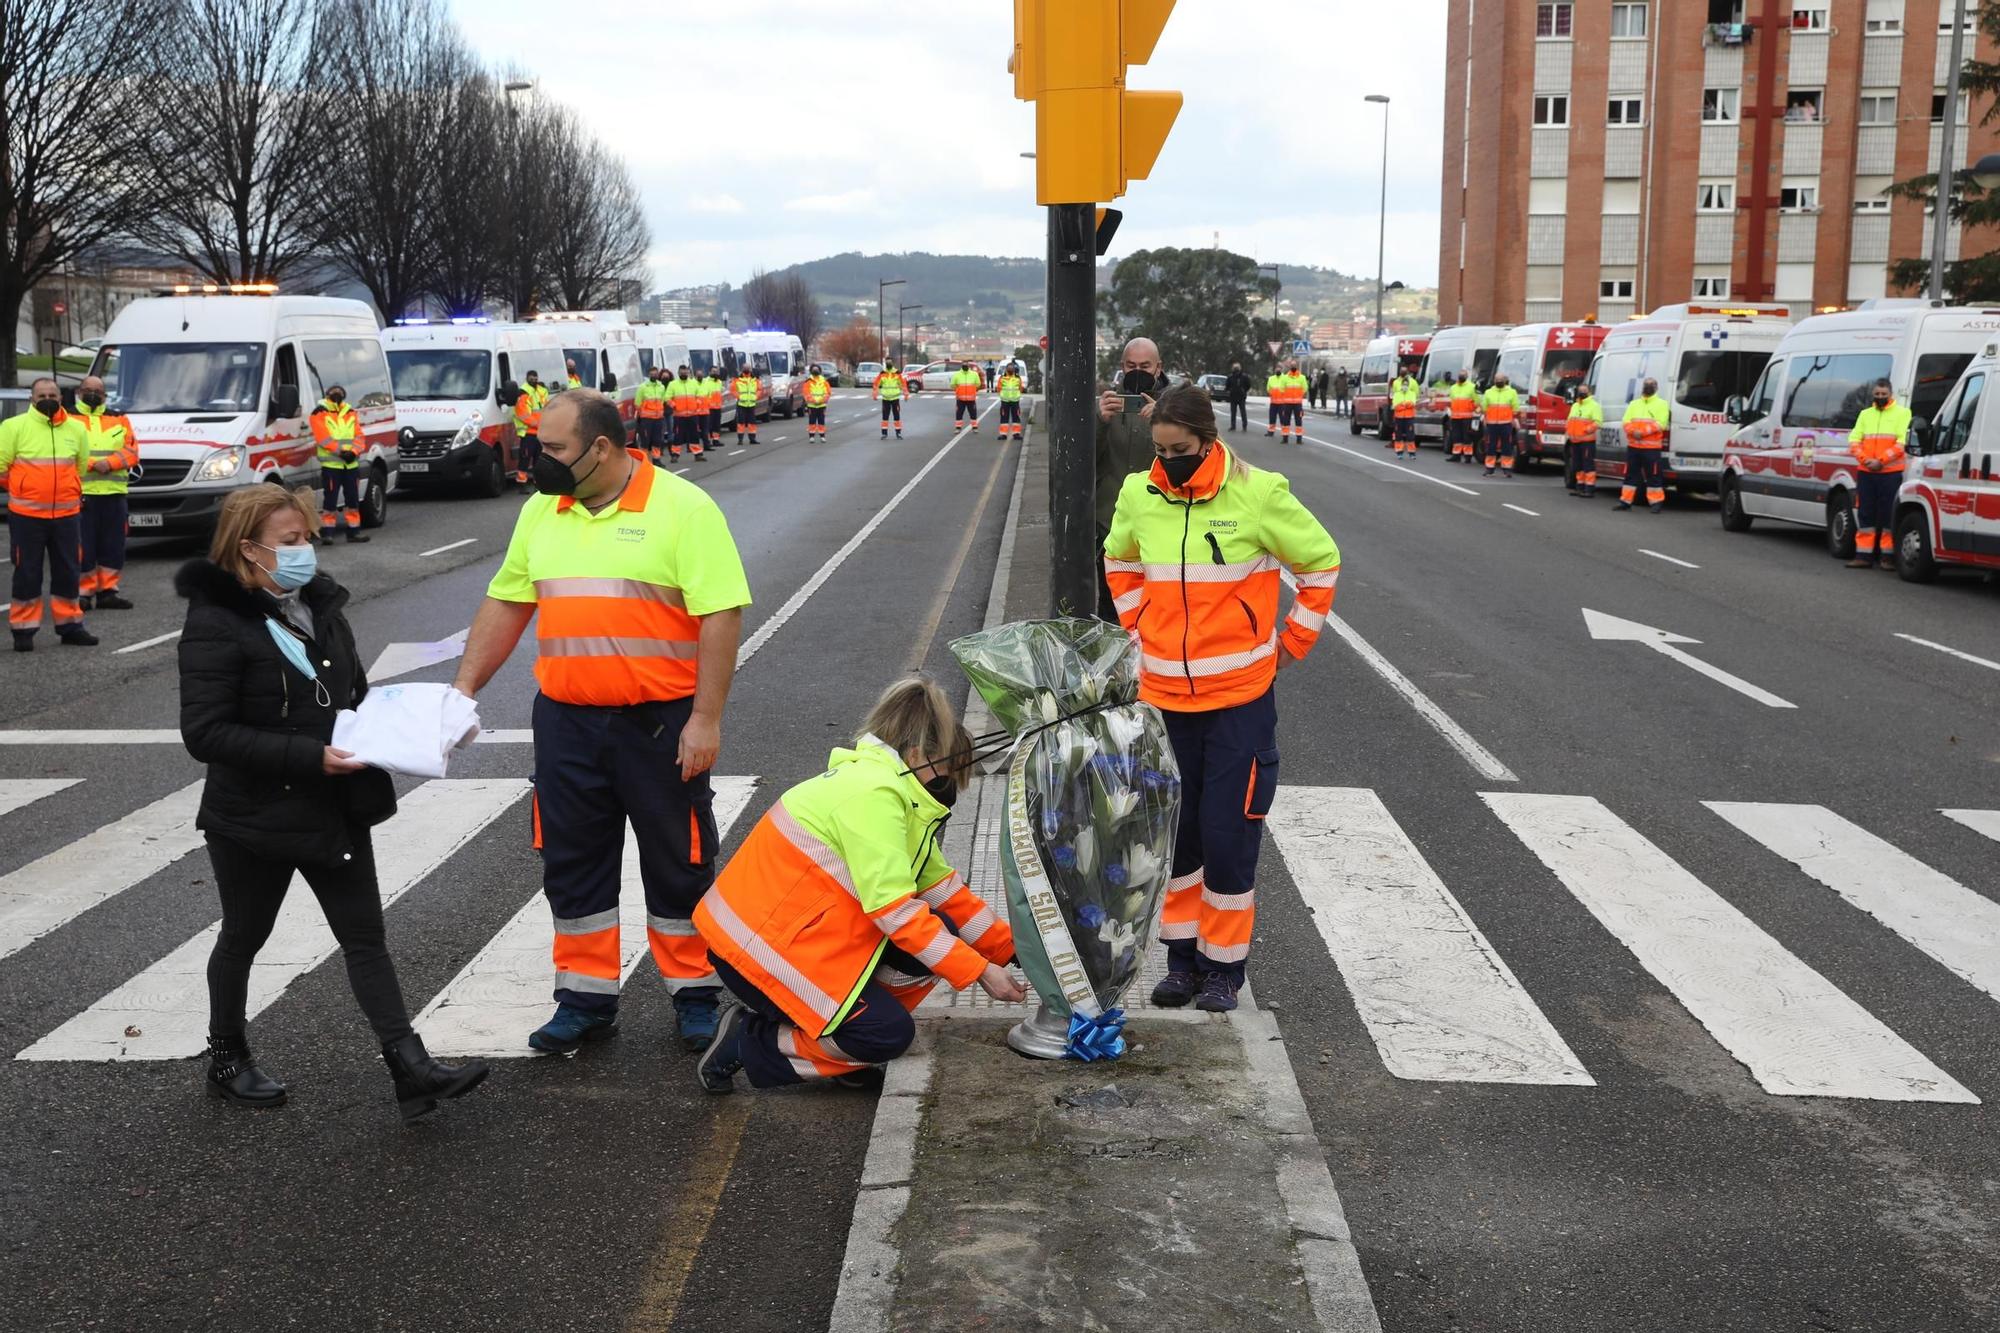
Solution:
(1937, 108)
(1718, 105)
(1628, 20)
(1624, 111)
(1884, 16)
(1725, 11)
(1552, 20)
(1809, 18)
(1716, 197)
(1711, 286)
(1615, 289)
(1878, 108)
(1873, 203)
(1883, 25)
(1802, 106)
(1551, 111)
(1798, 198)
(1945, 8)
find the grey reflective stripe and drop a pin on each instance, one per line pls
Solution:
(577, 981)
(607, 645)
(943, 892)
(636, 589)
(770, 959)
(937, 950)
(587, 925)
(892, 978)
(982, 921)
(667, 925)
(706, 981)
(816, 851)
(899, 916)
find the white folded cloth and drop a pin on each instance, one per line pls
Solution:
(410, 728)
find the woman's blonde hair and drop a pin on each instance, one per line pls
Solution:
(913, 714)
(243, 516)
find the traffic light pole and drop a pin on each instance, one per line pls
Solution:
(1069, 377)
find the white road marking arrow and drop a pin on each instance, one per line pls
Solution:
(401, 658)
(1662, 642)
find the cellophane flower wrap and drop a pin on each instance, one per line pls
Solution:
(1093, 801)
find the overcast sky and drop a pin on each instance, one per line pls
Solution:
(892, 126)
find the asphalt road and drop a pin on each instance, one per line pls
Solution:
(1672, 1192)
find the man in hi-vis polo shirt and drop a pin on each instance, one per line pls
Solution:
(637, 593)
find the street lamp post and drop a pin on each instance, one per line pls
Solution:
(520, 293)
(917, 335)
(881, 329)
(1941, 221)
(1382, 211)
(902, 352)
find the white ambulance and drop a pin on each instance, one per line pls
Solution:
(1472, 347)
(714, 351)
(1948, 510)
(604, 348)
(1702, 355)
(662, 345)
(785, 364)
(456, 384)
(1788, 459)
(219, 383)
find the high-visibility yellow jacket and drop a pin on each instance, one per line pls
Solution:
(43, 460)
(841, 866)
(711, 392)
(1585, 416)
(1403, 394)
(112, 440)
(335, 427)
(1464, 399)
(746, 392)
(651, 397)
(966, 384)
(818, 390)
(1009, 388)
(528, 409)
(1879, 435)
(1501, 403)
(1194, 573)
(1646, 420)
(889, 385)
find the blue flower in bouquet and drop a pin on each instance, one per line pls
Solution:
(1090, 916)
(1065, 857)
(1114, 875)
(1051, 821)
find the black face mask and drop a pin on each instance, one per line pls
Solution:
(555, 477)
(337, 399)
(1180, 468)
(943, 790)
(91, 399)
(1138, 381)
(1881, 400)
(48, 407)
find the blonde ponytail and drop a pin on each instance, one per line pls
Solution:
(913, 714)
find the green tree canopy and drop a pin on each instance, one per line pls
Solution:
(1200, 306)
(1975, 277)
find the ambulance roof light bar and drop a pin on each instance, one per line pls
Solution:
(219, 289)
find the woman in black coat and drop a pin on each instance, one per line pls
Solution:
(267, 659)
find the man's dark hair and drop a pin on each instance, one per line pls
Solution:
(597, 415)
(1883, 383)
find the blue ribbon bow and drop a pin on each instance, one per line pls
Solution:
(1099, 1038)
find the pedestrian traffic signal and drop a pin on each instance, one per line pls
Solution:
(1092, 137)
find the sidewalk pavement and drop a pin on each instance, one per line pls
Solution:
(1001, 1192)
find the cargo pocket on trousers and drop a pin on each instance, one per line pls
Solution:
(1263, 785)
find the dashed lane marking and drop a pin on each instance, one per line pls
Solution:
(448, 546)
(1953, 652)
(1672, 560)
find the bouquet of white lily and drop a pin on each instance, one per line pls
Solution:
(1093, 800)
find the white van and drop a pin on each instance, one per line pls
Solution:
(219, 383)
(714, 351)
(662, 345)
(1702, 356)
(1788, 460)
(1948, 509)
(604, 348)
(785, 362)
(1473, 347)
(456, 384)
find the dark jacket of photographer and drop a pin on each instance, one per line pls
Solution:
(1124, 446)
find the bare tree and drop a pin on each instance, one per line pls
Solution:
(73, 110)
(470, 215)
(247, 150)
(536, 134)
(600, 234)
(784, 301)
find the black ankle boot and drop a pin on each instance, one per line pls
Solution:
(420, 1080)
(233, 1074)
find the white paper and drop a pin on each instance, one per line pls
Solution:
(409, 728)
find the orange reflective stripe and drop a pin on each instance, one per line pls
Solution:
(680, 953)
(1578, 428)
(1180, 915)
(1226, 923)
(1500, 413)
(635, 589)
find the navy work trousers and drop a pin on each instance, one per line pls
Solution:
(57, 544)
(1228, 759)
(875, 1031)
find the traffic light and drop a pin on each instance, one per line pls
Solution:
(1092, 137)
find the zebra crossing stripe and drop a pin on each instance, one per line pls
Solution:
(46, 894)
(503, 993)
(1440, 1003)
(1796, 1032)
(17, 792)
(1937, 914)
(162, 1013)
(1979, 821)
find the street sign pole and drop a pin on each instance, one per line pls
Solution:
(1069, 373)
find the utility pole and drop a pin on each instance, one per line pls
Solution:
(881, 327)
(1069, 373)
(1941, 221)
(1382, 211)
(902, 348)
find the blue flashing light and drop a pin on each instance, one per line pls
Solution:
(408, 321)
(470, 319)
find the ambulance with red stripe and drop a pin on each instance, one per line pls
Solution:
(604, 348)
(219, 381)
(456, 384)
(1545, 363)
(1381, 361)
(1948, 510)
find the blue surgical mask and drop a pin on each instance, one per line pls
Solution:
(295, 565)
(295, 653)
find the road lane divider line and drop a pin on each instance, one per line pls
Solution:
(1933, 912)
(699, 1178)
(17, 792)
(1392, 466)
(153, 642)
(448, 546)
(1482, 760)
(1797, 1033)
(1672, 560)
(839, 557)
(935, 615)
(1963, 657)
(1439, 1001)
(162, 1013)
(1517, 509)
(502, 993)
(50, 892)
(1986, 822)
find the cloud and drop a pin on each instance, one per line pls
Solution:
(847, 201)
(714, 203)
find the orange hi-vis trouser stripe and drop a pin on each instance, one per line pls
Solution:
(1180, 915)
(1643, 462)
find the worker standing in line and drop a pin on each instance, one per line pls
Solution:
(839, 914)
(746, 404)
(651, 398)
(889, 392)
(1295, 402)
(687, 403)
(528, 406)
(336, 431)
(1501, 404)
(1878, 441)
(1586, 417)
(966, 383)
(569, 369)
(114, 452)
(818, 393)
(1008, 388)
(1204, 603)
(1404, 391)
(1462, 400)
(1274, 393)
(710, 388)
(42, 455)
(1646, 421)
(637, 594)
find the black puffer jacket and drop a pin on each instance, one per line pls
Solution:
(256, 722)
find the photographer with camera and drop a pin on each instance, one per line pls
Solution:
(1124, 439)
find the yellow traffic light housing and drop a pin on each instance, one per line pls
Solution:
(1092, 137)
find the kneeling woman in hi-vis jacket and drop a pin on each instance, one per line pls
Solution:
(1198, 545)
(839, 914)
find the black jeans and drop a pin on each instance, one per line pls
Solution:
(1238, 411)
(252, 888)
